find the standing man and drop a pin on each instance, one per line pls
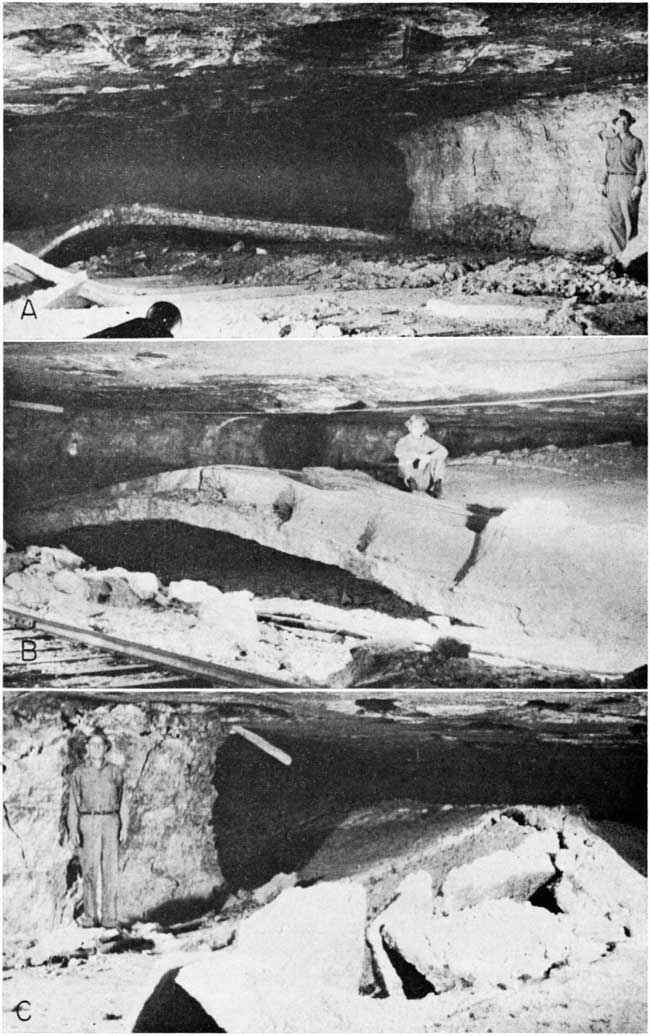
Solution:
(96, 823)
(625, 174)
(420, 459)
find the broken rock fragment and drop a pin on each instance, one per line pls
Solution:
(69, 582)
(508, 873)
(144, 585)
(51, 559)
(412, 905)
(596, 884)
(495, 941)
(192, 591)
(233, 617)
(292, 963)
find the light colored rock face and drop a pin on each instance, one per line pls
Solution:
(541, 585)
(497, 965)
(529, 173)
(413, 902)
(494, 941)
(304, 948)
(167, 758)
(548, 573)
(508, 873)
(340, 518)
(34, 861)
(596, 884)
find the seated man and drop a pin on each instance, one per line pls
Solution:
(420, 459)
(159, 322)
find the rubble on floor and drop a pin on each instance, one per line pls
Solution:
(301, 639)
(330, 293)
(587, 279)
(609, 459)
(188, 898)
(539, 583)
(440, 960)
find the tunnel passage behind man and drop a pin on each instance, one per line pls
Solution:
(301, 113)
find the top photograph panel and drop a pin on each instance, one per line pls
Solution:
(210, 171)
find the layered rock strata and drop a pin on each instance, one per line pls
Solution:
(528, 174)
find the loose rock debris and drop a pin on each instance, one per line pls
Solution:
(522, 920)
(525, 293)
(589, 279)
(178, 863)
(539, 583)
(456, 947)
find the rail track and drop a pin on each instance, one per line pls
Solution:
(39, 652)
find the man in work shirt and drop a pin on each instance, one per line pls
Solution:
(96, 822)
(625, 173)
(420, 459)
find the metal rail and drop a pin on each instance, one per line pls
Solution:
(220, 675)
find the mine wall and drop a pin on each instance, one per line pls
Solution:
(528, 174)
(209, 814)
(170, 863)
(79, 449)
(327, 114)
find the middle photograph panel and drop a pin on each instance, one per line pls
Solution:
(410, 513)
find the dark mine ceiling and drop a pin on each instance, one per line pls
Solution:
(397, 62)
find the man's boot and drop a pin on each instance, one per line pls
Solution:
(89, 922)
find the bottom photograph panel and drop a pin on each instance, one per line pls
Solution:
(279, 862)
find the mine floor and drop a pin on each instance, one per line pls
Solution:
(344, 812)
(604, 487)
(284, 291)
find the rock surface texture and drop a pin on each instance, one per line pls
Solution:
(540, 582)
(527, 174)
(58, 58)
(340, 83)
(296, 965)
(167, 757)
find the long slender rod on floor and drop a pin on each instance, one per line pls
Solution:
(223, 676)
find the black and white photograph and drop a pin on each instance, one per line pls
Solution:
(325, 517)
(239, 514)
(311, 171)
(325, 862)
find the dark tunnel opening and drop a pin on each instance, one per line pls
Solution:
(278, 168)
(175, 551)
(268, 818)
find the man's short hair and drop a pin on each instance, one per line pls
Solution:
(165, 313)
(623, 112)
(417, 420)
(102, 737)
